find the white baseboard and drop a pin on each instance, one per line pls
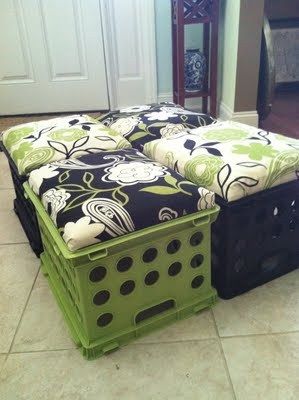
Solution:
(245, 117)
(225, 113)
(193, 104)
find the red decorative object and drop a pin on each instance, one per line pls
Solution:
(186, 12)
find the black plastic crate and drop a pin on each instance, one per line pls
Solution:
(255, 239)
(23, 208)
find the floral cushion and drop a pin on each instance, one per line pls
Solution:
(34, 144)
(141, 124)
(101, 196)
(232, 159)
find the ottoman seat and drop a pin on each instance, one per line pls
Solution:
(31, 145)
(34, 144)
(254, 174)
(144, 123)
(126, 245)
(100, 196)
(232, 159)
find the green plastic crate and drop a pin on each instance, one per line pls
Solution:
(116, 291)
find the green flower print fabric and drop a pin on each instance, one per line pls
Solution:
(98, 197)
(144, 123)
(232, 159)
(34, 144)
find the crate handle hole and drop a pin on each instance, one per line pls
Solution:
(98, 254)
(155, 310)
(201, 221)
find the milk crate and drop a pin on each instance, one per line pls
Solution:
(114, 292)
(255, 239)
(24, 208)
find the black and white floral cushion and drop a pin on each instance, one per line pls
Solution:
(34, 144)
(144, 123)
(100, 196)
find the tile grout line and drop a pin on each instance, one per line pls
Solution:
(174, 341)
(223, 357)
(23, 312)
(249, 335)
(5, 359)
(13, 244)
(41, 351)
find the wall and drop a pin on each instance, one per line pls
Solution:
(243, 21)
(249, 48)
(193, 39)
(280, 9)
(230, 16)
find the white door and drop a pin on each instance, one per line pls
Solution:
(51, 56)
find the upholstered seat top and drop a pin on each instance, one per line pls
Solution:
(143, 123)
(231, 159)
(101, 196)
(34, 144)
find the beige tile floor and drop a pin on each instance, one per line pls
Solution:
(244, 349)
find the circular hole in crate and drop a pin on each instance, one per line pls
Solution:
(240, 245)
(196, 238)
(127, 287)
(293, 224)
(261, 216)
(197, 281)
(174, 269)
(149, 255)
(293, 205)
(276, 230)
(151, 278)
(173, 246)
(239, 264)
(241, 219)
(276, 211)
(124, 264)
(101, 297)
(97, 274)
(104, 319)
(260, 237)
(215, 260)
(196, 261)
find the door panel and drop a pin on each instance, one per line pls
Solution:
(53, 56)
(15, 65)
